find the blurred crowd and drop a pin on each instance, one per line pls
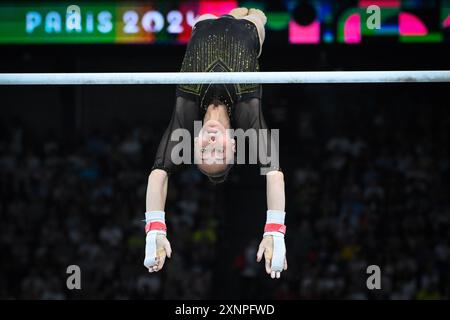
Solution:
(84, 205)
(368, 187)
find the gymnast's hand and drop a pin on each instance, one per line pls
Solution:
(157, 247)
(154, 263)
(274, 251)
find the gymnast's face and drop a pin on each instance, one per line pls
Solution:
(214, 149)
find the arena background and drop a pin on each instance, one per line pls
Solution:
(367, 170)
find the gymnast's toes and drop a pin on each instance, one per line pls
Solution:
(259, 13)
(239, 12)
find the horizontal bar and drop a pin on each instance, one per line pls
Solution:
(223, 77)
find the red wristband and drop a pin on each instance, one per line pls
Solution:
(275, 227)
(156, 225)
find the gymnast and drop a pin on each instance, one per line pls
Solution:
(229, 43)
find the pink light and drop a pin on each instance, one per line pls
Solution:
(304, 34)
(447, 22)
(216, 7)
(380, 3)
(410, 25)
(352, 29)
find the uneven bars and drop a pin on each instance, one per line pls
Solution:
(128, 78)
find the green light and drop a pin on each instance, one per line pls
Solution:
(432, 37)
(278, 20)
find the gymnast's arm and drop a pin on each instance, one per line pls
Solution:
(157, 246)
(156, 190)
(181, 124)
(275, 190)
(272, 245)
(248, 115)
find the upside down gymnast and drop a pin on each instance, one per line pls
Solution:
(229, 43)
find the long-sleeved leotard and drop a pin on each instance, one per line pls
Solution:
(217, 45)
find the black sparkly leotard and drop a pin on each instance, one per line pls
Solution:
(221, 45)
(224, 44)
